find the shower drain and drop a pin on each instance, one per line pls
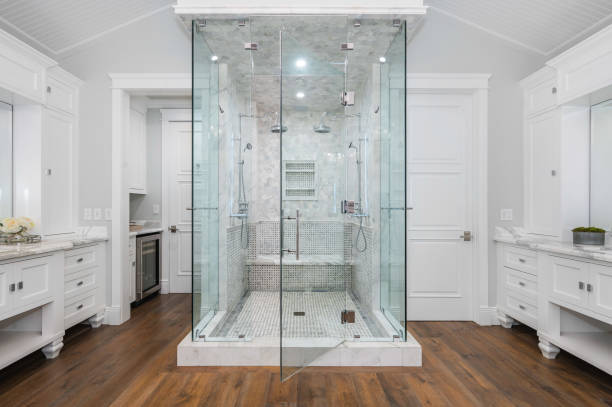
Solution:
(299, 313)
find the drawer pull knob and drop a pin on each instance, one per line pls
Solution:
(580, 285)
(589, 287)
(522, 307)
(80, 260)
(20, 285)
(521, 284)
(522, 260)
(80, 283)
(80, 306)
(12, 287)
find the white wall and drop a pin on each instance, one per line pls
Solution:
(156, 44)
(445, 45)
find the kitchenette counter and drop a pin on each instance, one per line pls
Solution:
(145, 231)
(9, 252)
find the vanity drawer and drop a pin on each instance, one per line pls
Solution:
(80, 282)
(522, 309)
(521, 259)
(80, 259)
(79, 308)
(523, 283)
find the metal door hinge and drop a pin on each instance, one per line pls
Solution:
(347, 317)
(466, 236)
(200, 25)
(347, 46)
(250, 46)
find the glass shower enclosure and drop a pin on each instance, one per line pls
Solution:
(299, 186)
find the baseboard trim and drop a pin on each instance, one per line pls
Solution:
(165, 287)
(488, 316)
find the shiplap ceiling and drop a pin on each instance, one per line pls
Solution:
(58, 26)
(543, 26)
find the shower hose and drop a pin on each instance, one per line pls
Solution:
(361, 236)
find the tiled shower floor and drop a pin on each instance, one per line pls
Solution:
(257, 315)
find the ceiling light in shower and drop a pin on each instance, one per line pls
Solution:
(300, 63)
(300, 95)
(382, 60)
(214, 58)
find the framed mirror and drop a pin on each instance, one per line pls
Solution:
(6, 160)
(601, 165)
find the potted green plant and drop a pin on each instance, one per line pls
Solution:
(589, 236)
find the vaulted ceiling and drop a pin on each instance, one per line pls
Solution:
(542, 26)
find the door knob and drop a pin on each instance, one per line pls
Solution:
(173, 229)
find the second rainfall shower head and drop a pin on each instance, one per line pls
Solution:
(321, 127)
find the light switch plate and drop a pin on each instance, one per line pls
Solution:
(155, 209)
(108, 214)
(87, 214)
(505, 214)
(97, 213)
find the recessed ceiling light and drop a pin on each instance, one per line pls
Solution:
(299, 95)
(214, 58)
(300, 63)
(382, 60)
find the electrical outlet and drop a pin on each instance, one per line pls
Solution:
(108, 214)
(97, 213)
(87, 214)
(505, 214)
(155, 209)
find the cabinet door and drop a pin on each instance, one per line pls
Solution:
(57, 177)
(5, 293)
(543, 191)
(137, 152)
(32, 280)
(569, 279)
(600, 289)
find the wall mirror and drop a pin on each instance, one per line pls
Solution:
(6, 160)
(601, 164)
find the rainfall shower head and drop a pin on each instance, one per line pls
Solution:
(321, 127)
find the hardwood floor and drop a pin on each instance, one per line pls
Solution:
(135, 364)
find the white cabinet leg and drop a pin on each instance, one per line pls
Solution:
(96, 320)
(505, 320)
(53, 349)
(549, 351)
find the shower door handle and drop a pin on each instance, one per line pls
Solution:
(297, 234)
(173, 229)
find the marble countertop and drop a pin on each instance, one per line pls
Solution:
(8, 252)
(512, 236)
(145, 231)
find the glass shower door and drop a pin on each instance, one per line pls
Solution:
(205, 184)
(313, 289)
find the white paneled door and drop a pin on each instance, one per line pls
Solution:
(439, 191)
(178, 144)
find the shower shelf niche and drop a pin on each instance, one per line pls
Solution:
(299, 181)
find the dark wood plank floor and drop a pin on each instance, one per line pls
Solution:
(135, 364)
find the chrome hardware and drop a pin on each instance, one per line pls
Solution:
(12, 287)
(80, 260)
(553, 173)
(356, 23)
(521, 307)
(521, 284)
(200, 25)
(297, 234)
(173, 229)
(80, 306)
(409, 208)
(48, 89)
(242, 23)
(589, 287)
(80, 283)
(466, 236)
(49, 171)
(522, 260)
(397, 22)
(201, 209)
(347, 46)
(20, 285)
(250, 46)
(133, 264)
(347, 98)
(580, 285)
(554, 90)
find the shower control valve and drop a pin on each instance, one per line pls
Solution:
(347, 98)
(348, 206)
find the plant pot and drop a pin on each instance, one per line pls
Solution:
(590, 238)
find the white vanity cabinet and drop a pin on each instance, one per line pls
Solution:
(84, 285)
(132, 278)
(137, 152)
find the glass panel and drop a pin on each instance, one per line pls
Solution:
(393, 183)
(205, 184)
(6, 160)
(315, 276)
(601, 166)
